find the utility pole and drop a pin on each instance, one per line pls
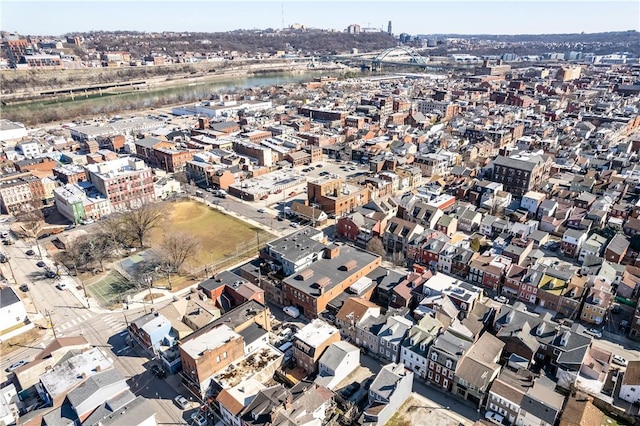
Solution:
(53, 328)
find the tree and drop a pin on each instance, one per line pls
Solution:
(98, 248)
(376, 246)
(114, 227)
(138, 222)
(177, 247)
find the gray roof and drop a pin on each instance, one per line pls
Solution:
(252, 333)
(335, 353)
(386, 278)
(385, 382)
(618, 244)
(133, 413)
(543, 401)
(92, 385)
(297, 245)
(258, 412)
(8, 297)
(333, 270)
(515, 163)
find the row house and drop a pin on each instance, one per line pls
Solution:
(391, 336)
(426, 249)
(310, 343)
(415, 348)
(353, 311)
(597, 303)
(572, 241)
(399, 233)
(488, 271)
(616, 249)
(593, 246)
(552, 285)
(456, 260)
(361, 225)
(444, 355)
(477, 370)
(426, 215)
(571, 297)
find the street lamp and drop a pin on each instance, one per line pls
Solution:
(149, 280)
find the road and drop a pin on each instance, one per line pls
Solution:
(69, 316)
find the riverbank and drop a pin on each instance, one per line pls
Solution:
(160, 93)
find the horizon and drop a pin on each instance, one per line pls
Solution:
(461, 18)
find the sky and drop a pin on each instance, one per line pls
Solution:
(50, 17)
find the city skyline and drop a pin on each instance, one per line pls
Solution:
(413, 17)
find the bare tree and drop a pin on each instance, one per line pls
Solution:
(73, 256)
(115, 228)
(376, 246)
(99, 248)
(30, 222)
(177, 247)
(138, 222)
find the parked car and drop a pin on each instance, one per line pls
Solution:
(3, 258)
(87, 221)
(50, 274)
(61, 286)
(350, 389)
(158, 371)
(367, 383)
(30, 252)
(181, 402)
(199, 419)
(261, 210)
(293, 225)
(43, 236)
(24, 287)
(500, 299)
(494, 417)
(41, 264)
(617, 359)
(68, 227)
(16, 365)
(594, 332)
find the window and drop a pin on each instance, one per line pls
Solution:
(218, 358)
(445, 383)
(434, 356)
(449, 363)
(431, 364)
(430, 375)
(438, 368)
(224, 355)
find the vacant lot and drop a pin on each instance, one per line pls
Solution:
(220, 236)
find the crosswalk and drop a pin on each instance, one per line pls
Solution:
(113, 322)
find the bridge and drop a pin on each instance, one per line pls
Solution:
(388, 55)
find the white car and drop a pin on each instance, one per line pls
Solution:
(494, 417)
(594, 332)
(617, 359)
(61, 286)
(181, 402)
(500, 299)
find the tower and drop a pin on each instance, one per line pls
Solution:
(389, 28)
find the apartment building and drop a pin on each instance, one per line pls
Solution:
(125, 182)
(336, 197)
(310, 343)
(521, 173)
(312, 288)
(207, 353)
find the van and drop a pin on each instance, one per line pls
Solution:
(286, 347)
(494, 417)
(292, 311)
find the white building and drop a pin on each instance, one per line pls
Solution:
(531, 201)
(12, 310)
(11, 131)
(336, 363)
(29, 149)
(630, 388)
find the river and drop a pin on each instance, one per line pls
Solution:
(113, 102)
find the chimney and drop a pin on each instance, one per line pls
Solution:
(332, 251)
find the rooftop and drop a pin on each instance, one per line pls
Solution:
(210, 340)
(316, 333)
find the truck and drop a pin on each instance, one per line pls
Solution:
(292, 311)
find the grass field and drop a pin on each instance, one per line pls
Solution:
(220, 235)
